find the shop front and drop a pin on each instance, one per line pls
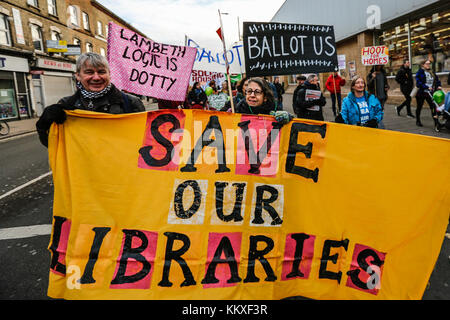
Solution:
(52, 80)
(426, 37)
(14, 93)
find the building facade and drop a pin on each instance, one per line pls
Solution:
(32, 73)
(415, 30)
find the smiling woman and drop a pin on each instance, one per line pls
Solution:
(258, 98)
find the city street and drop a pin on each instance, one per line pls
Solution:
(26, 214)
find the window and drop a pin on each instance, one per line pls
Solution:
(52, 7)
(55, 36)
(89, 47)
(76, 41)
(103, 52)
(74, 15)
(36, 35)
(86, 21)
(106, 30)
(33, 3)
(5, 35)
(99, 28)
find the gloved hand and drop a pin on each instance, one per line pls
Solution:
(339, 119)
(53, 113)
(372, 123)
(281, 116)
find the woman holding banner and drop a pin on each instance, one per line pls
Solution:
(360, 107)
(259, 99)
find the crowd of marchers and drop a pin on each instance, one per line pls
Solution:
(363, 106)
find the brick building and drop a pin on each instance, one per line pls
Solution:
(31, 76)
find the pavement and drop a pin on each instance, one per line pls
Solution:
(391, 120)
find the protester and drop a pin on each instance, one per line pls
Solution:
(300, 81)
(333, 85)
(274, 91)
(377, 84)
(259, 99)
(240, 95)
(225, 88)
(310, 100)
(405, 79)
(168, 104)
(197, 97)
(427, 82)
(361, 107)
(95, 92)
(280, 91)
(218, 99)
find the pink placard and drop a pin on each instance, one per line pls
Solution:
(148, 68)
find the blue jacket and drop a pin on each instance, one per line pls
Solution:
(421, 82)
(351, 112)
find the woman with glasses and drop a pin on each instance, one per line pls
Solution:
(427, 82)
(259, 99)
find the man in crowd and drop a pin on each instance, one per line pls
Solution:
(300, 81)
(404, 77)
(95, 92)
(310, 100)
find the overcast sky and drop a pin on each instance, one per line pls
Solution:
(168, 21)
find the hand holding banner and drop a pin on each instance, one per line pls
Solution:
(145, 67)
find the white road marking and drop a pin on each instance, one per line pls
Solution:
(25, 232)
(24, 185)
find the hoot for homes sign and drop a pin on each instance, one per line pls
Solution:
(375, 55)
(149, 68)
(190, 204)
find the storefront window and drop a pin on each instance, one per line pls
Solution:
(430, 39)
(8, 107)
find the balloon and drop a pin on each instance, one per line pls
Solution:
(439, 97)
(208, 91)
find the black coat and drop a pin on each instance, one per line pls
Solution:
(197, 99)
(404, 77)
(113, 102)
(302, 106)
(243, 107)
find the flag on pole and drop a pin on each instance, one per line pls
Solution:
(219, 32)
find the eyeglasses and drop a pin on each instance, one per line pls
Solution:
(257, 92)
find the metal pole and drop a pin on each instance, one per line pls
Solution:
(230, 91)
(409, 44)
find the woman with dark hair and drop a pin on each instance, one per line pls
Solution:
(427, 82)
(259, 99)
(360, 107)
(197, 97)
(240, 95)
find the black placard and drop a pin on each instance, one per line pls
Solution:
(281, 48)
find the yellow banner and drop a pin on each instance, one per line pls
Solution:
(190, 204)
